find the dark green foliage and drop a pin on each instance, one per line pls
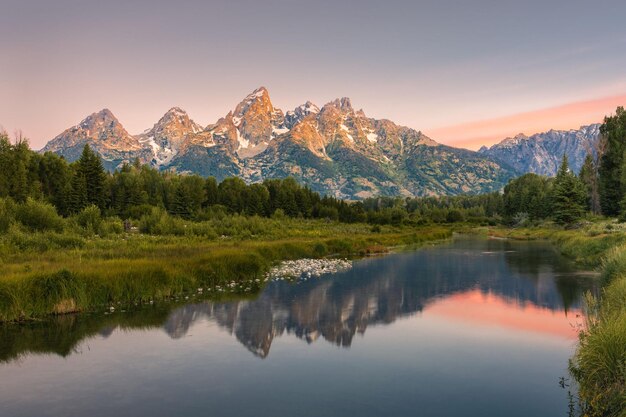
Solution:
(89, 167)
(7, 214)
(90, 219)
(454, 216)
(18, 175)
(529, 194)
(568, 197)
(127, 190)
(589, 176)
(38, 216)
(76, 194)
(611, 184)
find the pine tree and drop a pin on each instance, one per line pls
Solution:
(613, 137)
(90, 167)
(181, 205)
(589, 176)
(77, 194)
(568, 196)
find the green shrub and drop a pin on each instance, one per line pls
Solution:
(111, 226)
(204, 229)
(279, 214)
(39, 216)
(158, 222)
(90, 219)
(454, 216)
(7, 214)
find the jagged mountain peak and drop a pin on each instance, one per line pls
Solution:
(104, 133)
(168, 135)
(258, 98)
(541, 153)
(343, 104)
(180, 119)
(257, 122)
(293, 117)
(176, 112)
(259, 92)
(102, 117)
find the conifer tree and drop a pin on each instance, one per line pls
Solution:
(613, 137)
(77, 194)
(568, 196)
(181, 204)
(589, 176)
(90, 167)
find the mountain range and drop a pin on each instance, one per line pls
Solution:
(542, 153)
(335, 150)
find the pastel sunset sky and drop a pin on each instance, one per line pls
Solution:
(466, 73)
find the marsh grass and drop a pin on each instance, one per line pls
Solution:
(137, 268)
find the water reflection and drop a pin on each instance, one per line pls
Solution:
(494, 282)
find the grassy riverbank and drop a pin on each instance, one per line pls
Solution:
(599, 364)
(92, 272)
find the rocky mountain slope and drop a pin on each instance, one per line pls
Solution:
(335, 149)
(106, 135)
(542, 153)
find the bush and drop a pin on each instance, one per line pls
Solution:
(454, 216)
(7, 214)
(279, 214)
(90, 219)
(111, 226)
(521, 219)
(39, 216)
(158, 222)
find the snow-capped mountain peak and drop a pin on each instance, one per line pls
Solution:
(333, 149)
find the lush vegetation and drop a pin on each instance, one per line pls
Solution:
(52, 264)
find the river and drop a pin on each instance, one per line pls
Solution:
(473, 327)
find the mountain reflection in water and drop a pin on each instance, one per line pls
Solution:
(492, 282)
(380, 290)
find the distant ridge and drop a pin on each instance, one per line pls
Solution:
(542, 153)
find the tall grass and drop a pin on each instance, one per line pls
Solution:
(82, 272)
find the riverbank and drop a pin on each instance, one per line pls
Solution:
(135, 268)
(599, 364)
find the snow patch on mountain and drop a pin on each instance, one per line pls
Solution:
(372, 137)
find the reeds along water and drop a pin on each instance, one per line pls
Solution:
(132, 269)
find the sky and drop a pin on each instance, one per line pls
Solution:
(466, 73)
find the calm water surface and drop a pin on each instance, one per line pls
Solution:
(470, 328)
